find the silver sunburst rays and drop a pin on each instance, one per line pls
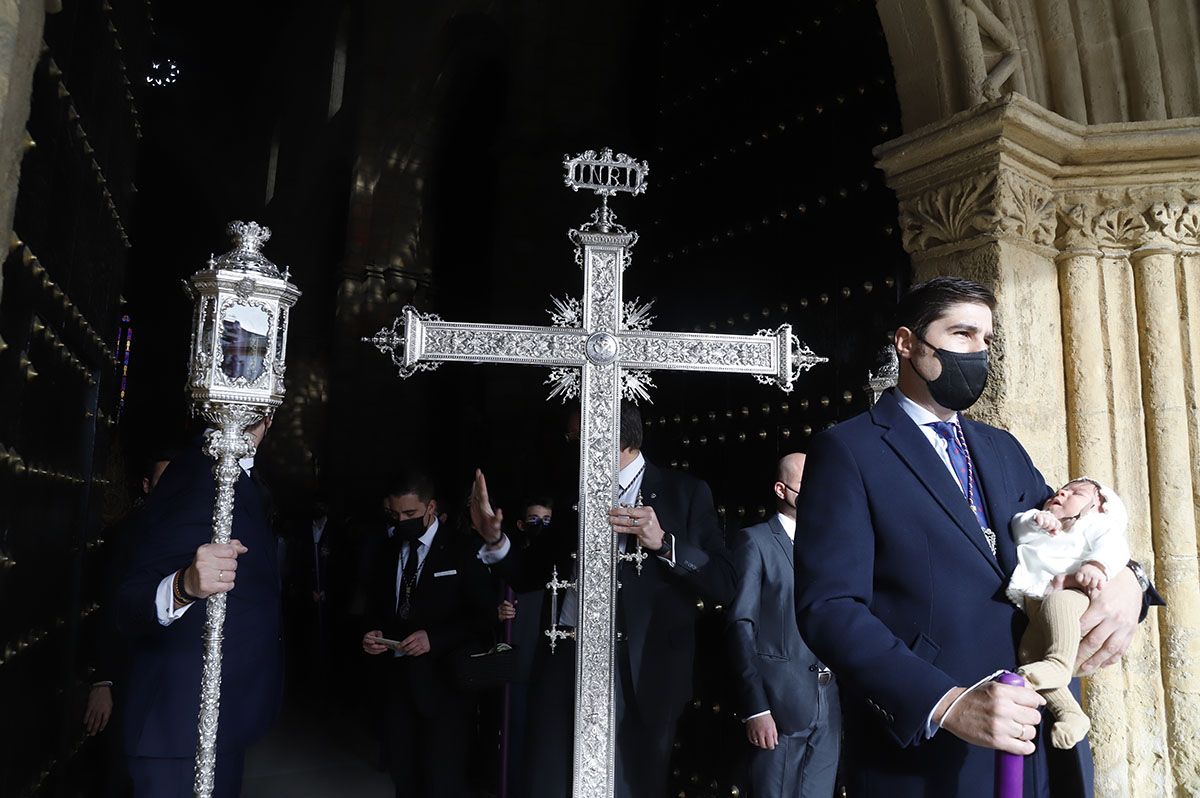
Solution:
(635, 383)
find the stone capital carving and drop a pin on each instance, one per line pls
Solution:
(997, 204)
(1118, 224)
(1025, 209)
(1178, 222)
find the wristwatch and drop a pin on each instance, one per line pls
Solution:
(667, 551)
(1140, 574)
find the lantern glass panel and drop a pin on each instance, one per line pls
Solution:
(205, 310)
(244, 342)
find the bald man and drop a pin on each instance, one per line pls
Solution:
(787, 699)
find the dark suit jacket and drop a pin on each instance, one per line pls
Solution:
(897, 591)
(775, 670)
(656, 610)
(452, 602)
(163, 696)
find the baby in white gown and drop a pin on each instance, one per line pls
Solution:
(1078, 534)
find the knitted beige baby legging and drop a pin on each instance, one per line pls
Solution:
(1049, 648)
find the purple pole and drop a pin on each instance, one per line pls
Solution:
(1010, 768)
(509, 595)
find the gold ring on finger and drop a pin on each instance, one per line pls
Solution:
(220, 576)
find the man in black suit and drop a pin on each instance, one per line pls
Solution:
(108, 649)
(786, 697)
(315, 595)
(430, 595)
(656, 616)
(160, 606)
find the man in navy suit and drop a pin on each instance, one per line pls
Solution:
(786, 697)
(902, 556)
(160, 607)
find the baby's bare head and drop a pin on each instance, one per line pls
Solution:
(1075, 499)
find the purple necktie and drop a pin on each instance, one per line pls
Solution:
(960, 461)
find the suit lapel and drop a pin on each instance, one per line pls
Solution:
(913, 448)
(651, 484)
(252, 495)
(993, 479)
(781, 538)
(433, 563)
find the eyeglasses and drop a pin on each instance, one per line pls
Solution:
(789, 487)
(537, 520)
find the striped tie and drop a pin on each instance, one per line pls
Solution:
(960, 461)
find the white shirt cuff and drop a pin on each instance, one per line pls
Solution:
(931, 728)
(490, 556)
(164, 602)
(756, 715)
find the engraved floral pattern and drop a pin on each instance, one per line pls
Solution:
(696, 351)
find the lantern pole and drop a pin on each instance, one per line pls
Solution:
(235, 380)
(227, 443)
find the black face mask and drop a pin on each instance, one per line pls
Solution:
(536, 526)
(410, 528)
(963, 378)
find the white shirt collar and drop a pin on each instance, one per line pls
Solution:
(247, 463)
(629, 473)
(788, 524)
(427, 538)
(920, 415)
(318, 527)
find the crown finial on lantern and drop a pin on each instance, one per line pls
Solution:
(249, 235)
(246, 255)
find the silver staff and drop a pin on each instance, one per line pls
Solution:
(238, 349)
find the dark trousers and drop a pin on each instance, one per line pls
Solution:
(549, 746)
(804, 763)
(161, 777)
(643, 753)
(642, 756)
(427, 751)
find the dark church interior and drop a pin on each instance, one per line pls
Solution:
(411, 154)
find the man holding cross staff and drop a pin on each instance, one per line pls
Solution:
(671, 516)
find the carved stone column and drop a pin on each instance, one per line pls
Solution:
(1171, 432)
(1090, 237)
(1106, 434)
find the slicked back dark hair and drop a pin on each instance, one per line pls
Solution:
(927, 302)
(411, 480)
(631, 426)
(537, 500)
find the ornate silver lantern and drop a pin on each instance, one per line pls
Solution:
(239, 343)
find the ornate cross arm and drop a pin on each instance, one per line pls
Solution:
(420, 341)
(772, 356)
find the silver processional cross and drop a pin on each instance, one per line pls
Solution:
(599, 349)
